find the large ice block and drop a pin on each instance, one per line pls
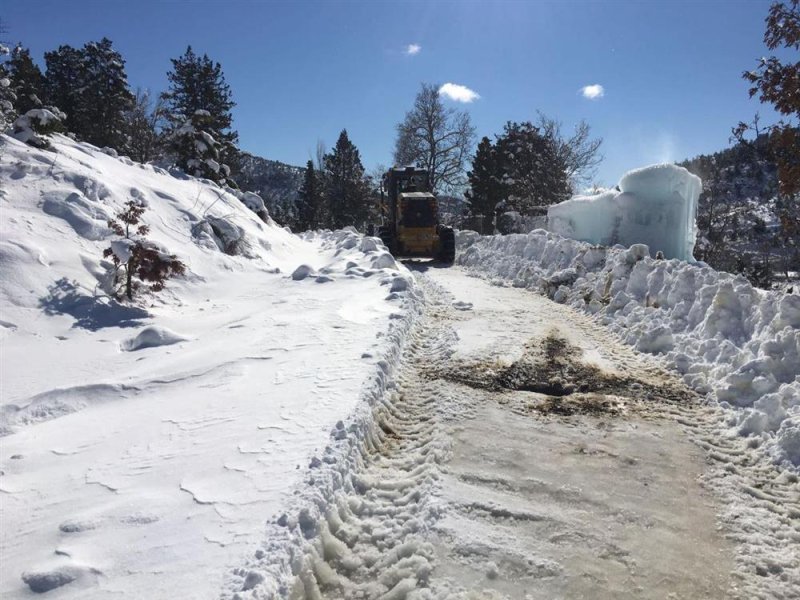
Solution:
(654, 205)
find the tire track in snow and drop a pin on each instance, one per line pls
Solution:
(371, 541)
(368, 503)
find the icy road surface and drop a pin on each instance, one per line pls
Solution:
(547, 502)
(524, 452)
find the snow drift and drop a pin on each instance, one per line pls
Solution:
(728, 339)
(655, 205)
(146, 442)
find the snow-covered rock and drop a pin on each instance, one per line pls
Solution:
(152, 337)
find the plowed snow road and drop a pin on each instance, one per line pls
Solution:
(593, 494)
(524, 452)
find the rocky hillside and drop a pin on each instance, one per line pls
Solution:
(738, 215)
(276, 182)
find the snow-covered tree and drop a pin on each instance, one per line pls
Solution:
(346, 191)
(7, 96)
(135, 259)
(198, 87)
(530, 171)
(35, 125)
(20, 105)
(310, 199)
(197, 152)
(26, 80)
(437, 138)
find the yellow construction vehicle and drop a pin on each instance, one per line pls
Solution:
(411, 225)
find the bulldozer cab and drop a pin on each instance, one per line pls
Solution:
(411, 224)
(400, 180)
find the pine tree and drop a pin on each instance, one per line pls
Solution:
(26, 80)
(91, 87)
(62, 80)
(347, 192)
(198, 84)
(308, 203)
(197, 151)
(7, 96)
(485, 190)
(531, 172)
(104, 96)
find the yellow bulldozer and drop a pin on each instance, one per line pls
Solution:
(411, 226)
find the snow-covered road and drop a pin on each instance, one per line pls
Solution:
(596, 495)
(527, 453)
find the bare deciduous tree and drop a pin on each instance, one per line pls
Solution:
(579, 153)
(437, 138)
(144, 120)
(320, 152)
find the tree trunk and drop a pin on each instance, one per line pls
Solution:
(128, 279)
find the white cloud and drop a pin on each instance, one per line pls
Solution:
(593, 92)
(413, 49)
(459, 93)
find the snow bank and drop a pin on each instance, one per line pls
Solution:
(356, 256)
(153, 465)
(655, 205)
(152, 337)
(737, 343)
(300, 541)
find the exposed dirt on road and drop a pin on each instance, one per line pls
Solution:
(552, 367)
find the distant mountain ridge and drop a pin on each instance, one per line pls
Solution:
(276, 182)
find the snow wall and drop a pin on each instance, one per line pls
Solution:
(739, 344)
(655, 205)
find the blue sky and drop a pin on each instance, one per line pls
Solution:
(302, 71)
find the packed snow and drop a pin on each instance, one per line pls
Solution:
(736, 343)
(145, 443)
(655, 205)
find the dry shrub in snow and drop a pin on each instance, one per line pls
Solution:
(134, 256)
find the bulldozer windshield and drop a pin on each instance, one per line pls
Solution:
(418, 211)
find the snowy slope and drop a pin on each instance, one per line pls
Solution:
(145, 446)
(737, 343)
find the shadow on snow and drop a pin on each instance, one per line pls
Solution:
(90, 312)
